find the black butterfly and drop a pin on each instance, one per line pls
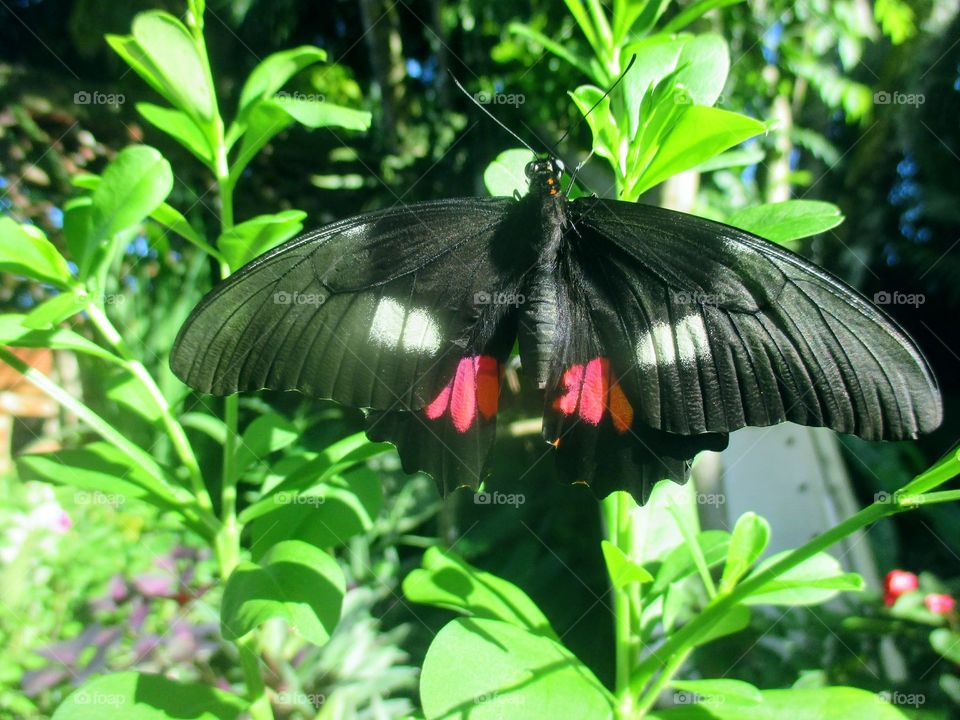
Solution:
(652, 334)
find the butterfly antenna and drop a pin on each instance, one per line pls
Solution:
(603, 97)
(490, 114)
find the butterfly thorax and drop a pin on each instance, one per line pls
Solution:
(544, 176)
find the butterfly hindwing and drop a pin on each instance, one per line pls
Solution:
(451, 437)
(715, 329)
(589, 417)
(372, 312)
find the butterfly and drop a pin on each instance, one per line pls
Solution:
(650, 334)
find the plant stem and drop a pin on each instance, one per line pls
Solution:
(228, 496)
(200, 520)
(228, 541)
(649, 698)
(174, 429)
(696, 552)
(617, 509)
(260, 708)
(685, 639)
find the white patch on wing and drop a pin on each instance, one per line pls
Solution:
(665, 344)
(656, 346)
(691, 337)
(395, 326)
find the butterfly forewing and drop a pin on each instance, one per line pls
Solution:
(716, 329)
(372, 312)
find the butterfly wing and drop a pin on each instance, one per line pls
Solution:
(590, 416)
(711, 328)
(399, 312)
(373, 312)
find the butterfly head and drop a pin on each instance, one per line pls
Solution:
(544, 175)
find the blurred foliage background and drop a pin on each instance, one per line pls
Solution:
(830, 77)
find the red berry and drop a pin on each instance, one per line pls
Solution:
(940, 603)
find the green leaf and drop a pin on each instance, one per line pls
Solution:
(506, 175)
(552, 46)
(294, 581)
(212, 427)
(77, 227)
(448, 581)
(55, 310)
(947, 643)
(600, 120)
(25, 250)
(326, 516)
(271, 74)
(698, 135)
(782, 222)
(165, 214)
(143, 696)
(336, 458)
(266, 434)
(720, 688)
(127, 391)
(264, 121)
(14, 332)
(247, 240)
(750, 537)
(133, 185)
(176, 63)
(733, 621)
(733, 158)
(317, 114)
(181, 127)
(693, 12)
(679, 562)
(97, 468)
(829, 703)
(489, 670)
(813, 581)
(622, 570)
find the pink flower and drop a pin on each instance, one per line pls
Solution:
(896, 584)
(939, 603)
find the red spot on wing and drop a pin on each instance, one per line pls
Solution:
(572, 381)
(593, 395)
(463, 400)
(438, 405)
(488, 385)
(589, 391)
(475, 386)
(621, 412)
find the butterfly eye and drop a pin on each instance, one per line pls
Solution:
(559, 166)
(530, 169)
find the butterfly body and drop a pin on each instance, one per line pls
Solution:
(650, 334)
